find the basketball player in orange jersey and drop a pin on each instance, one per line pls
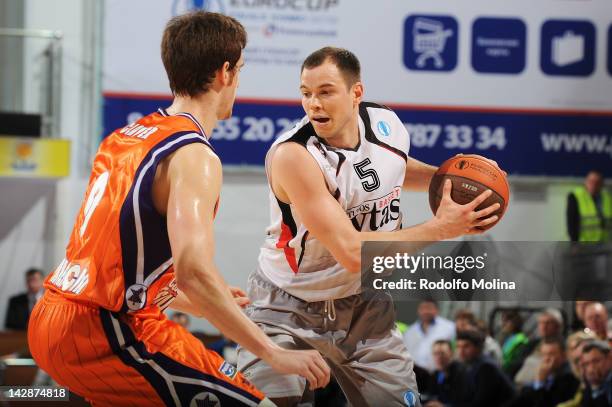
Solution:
(143, 240)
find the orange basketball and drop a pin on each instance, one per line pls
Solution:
(470, 176)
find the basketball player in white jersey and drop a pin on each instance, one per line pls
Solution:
(335, 181)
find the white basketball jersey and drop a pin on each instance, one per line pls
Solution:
(366, 181)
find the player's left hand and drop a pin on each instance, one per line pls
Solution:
(492, 162)
(240, 297)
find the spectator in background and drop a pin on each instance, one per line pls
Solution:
(20, 306)
(596, 361)
(423, 376)
(421, 335)
(575, 343)
(485, 383)
(596, 320)
(182, 319)
(554, 381)
(589, 211)
(578, 322)
(465, 320)
(550, 327)
(514, 342)
(447, 385)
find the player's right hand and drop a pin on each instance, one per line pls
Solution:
(456, 219)
(306, 363)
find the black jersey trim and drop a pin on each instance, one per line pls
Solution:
(369, 134)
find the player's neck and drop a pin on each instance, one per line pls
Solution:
(203, 108)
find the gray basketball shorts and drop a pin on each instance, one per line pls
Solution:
(356, 335)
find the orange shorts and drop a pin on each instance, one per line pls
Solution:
(137, 360)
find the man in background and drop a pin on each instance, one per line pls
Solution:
(466, 320)
(422, 334)
(550, 327)
(589, 211)
(596, 320)
(20, 306)
(486, 382)
(596, 362)
(447, 385)
(554, 381)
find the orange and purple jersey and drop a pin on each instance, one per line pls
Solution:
(118, 257)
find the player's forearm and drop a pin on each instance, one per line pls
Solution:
(183, 304)
(430, 231)
(418, 175)
(348, 252)
(210, 295)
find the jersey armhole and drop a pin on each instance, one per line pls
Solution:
(158, 153)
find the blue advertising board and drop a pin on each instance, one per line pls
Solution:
(523, 142)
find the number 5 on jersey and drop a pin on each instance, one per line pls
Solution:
(368, 175)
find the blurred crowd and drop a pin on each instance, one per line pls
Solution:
(459, 363)
(564, 362)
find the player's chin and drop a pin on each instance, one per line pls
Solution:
(323, 129)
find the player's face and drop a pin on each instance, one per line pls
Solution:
(229, 93)
(329, 102)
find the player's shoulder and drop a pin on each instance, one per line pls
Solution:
(375, 111)
(373, 105)
(300, 133)
(384, 127)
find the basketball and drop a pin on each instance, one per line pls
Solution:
(470, 176)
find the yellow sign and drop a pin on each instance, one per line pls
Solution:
(34, 157)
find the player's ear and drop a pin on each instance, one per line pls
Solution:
(357, 90)
(224, 74)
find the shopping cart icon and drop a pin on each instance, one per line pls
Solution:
(429, 41)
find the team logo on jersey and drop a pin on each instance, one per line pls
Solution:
(376, 213)
(410, 398)
(136, 296)
(384, 129)
(205, 399)
(166, 295)
(228, 370)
